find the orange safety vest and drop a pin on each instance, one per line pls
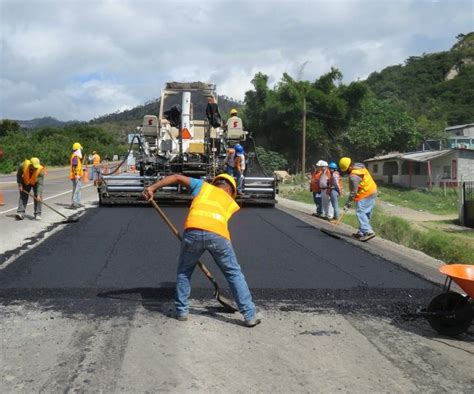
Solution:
(78, 171)
(211, 210)
(314, 184)
(96, 160)
(367, 186)
(30, 179)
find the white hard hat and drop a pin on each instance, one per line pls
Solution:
(322, 163)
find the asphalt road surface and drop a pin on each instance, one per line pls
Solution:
(91, 309)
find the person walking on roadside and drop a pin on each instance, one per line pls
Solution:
(315, 188)
(235, 165)
(363, 191)
(206, 228)
(95, 168)
(30, 175)
(75, 175)
(334, 190)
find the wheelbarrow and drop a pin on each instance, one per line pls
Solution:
(451, 313)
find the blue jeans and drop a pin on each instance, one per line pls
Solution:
(237, 175)
(76, 191)
(318, 202)
(364, 210)
(334, 197)
(195, 243)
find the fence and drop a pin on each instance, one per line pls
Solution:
(467, 204)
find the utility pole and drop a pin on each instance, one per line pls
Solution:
(303, 143)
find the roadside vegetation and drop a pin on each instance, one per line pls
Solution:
(52, 145)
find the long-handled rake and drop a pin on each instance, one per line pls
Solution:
(67, 219)
(222, 300)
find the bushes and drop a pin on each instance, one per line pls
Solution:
(52, 145)
(271, 161)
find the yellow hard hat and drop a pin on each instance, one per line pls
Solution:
(35, 162)
(76, 146)
(344, 163)
(229, 179)
(233, 111)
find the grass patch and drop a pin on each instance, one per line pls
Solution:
(448, 247)
(433, 201)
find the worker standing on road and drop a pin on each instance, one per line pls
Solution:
(235, 165)
(363, 190)
(30, 175)
(316, 189)
(206, 228)
(334, 189)
(324, 182)
(75, 175)
(95, 167)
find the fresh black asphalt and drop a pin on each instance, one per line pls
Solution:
(120, 248)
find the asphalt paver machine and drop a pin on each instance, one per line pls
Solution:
(187, 137)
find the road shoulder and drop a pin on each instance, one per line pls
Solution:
(410, 259)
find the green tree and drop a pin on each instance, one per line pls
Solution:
(8, 126)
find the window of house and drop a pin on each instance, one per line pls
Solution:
(375, 168)
(446, 172)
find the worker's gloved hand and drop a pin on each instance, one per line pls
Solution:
(347, 206)
(77, 177)
(39, 198)
(20, 188)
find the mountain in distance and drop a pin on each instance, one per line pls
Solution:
(47, 121)
(437, 86)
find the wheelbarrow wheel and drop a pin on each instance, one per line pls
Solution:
(451, 313)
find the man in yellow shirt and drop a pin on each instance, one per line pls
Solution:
(206, 228)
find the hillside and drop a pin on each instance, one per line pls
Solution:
(437, 86)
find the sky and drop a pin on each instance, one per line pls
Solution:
(80, 59)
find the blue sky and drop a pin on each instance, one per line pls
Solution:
(79, 59)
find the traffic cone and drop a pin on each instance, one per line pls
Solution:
(85, 175)
(2, 200)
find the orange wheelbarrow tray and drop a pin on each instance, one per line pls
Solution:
(451, 313)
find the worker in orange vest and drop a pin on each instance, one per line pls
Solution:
(206, 228)
(30, 175)
(363, 191)
(76, 171)
(95, 167)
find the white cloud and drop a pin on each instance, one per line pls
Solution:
(81, 59)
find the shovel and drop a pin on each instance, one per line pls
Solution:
(222, 300)
(67, 219)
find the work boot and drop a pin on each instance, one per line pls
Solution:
(252, 322)
(19, 216)
(38, 216)
(183, 317)
(368, 235)
(357, 235)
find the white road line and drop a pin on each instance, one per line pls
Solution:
(48, 198)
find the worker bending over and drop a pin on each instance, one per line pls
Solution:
(206, 228)
(30, 175)
(362, 190)
(235, 165)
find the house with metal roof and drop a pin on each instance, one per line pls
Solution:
(424, 169)
(461, 136)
